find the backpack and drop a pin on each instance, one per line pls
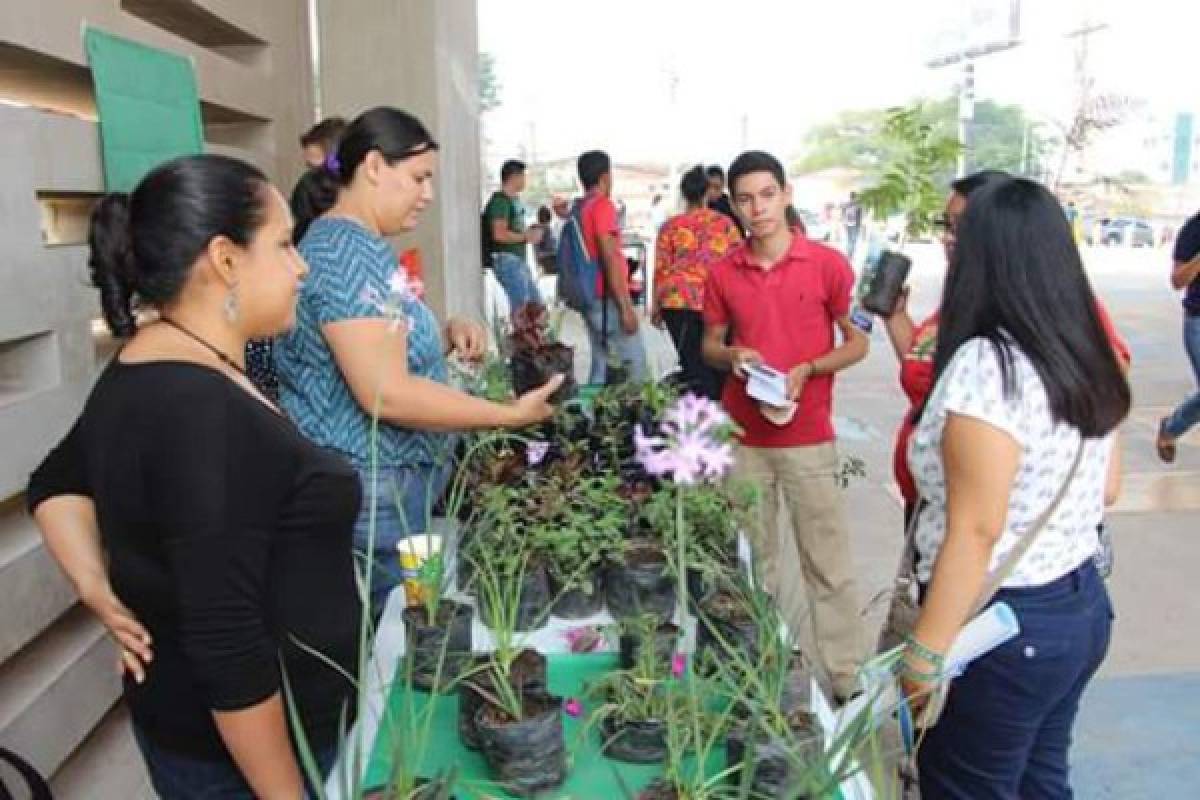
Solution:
(485, 238)
(577, 270)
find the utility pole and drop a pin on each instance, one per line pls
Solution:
(968, 57)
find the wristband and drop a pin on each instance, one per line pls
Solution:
(924, 653)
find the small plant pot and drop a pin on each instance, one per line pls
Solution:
(725, 628)
(635, 741)
(437, 653)
(527, 755)
(577, 603)
(665, 640)
(776, 763)
(641, 584)
(528, 672)
(532, 368)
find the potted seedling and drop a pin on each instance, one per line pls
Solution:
(579, 531)
(437, 629)
(635, 700)
(504, 708)
(537, 355)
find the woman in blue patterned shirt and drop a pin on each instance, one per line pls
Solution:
(343, 363)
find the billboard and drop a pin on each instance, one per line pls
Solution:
(962, 29)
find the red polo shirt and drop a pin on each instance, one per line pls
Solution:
(599, 217)
(787, 314)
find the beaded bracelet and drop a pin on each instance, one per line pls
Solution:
(919, 675)
(924, 653)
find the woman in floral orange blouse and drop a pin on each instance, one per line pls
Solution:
(688, 244)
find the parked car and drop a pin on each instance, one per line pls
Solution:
(1126, 232)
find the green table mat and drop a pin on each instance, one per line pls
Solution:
(591, 775)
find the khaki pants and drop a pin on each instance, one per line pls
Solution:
(803, 479)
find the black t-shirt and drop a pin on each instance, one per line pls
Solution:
(228, 535)
(1187, 247)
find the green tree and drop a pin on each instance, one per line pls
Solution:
(915, 155)
(489, 84)
(1005, 138)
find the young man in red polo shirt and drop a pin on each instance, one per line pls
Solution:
(781, 297)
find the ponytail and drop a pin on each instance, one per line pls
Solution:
(145, 244)
(315, 193)
(111, 262)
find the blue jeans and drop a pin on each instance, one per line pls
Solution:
(628, 349)
(178, 776)
(517, 279)
(403, 498)
(1188, 413)
(1006, 728)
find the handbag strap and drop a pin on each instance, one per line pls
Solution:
(1002, 572)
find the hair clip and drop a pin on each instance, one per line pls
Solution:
(332, 164)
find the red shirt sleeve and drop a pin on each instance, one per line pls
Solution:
(604, 217)
(1119, 345)
(839, 284)
(715, 310)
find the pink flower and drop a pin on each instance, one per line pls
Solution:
(691, 446)
(678, 665)
(573, 708)
(584, 639)
(535, 452)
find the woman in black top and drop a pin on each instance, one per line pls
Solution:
(183, 492)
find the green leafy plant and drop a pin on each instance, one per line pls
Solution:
(578, 527)
(916, 153)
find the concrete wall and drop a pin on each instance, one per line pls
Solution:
(58, 688)
(420, 56)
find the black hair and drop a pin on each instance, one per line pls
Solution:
(396, 134)
(593, 165)
(1018, 281)
(694, 185)
(325, 133)
(144, 244)
(977, 180)
(510, 168)
(544, 215)
(794, 220)
(715, 171)
(755, 161)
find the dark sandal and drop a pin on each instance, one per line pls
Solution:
(1164, 444)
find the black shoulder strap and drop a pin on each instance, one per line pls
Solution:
(38, 788)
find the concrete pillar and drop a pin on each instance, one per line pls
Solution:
(420, 56)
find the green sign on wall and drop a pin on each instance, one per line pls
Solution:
(1181, 166)
(148, 104)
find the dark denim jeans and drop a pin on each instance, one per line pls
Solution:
(1006, 728)
(517, 280)
(177, 776)
(404, 498)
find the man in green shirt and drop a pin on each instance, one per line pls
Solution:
(507, 237)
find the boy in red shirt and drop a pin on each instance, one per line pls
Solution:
(612, 322)
(782, 296)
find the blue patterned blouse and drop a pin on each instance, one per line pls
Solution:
(349, 269)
